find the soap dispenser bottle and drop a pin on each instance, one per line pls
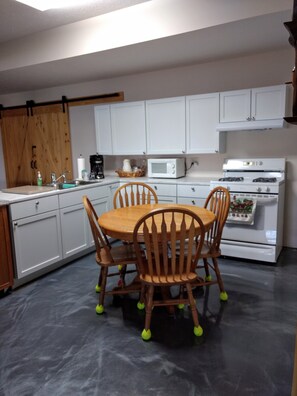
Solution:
(39, 179)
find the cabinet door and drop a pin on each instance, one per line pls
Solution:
(202, 118)
(74, 230)
(103, 129)
(37, 242)
(128, 128)
(235, 105)
(166, 126)
(6, 270)
(268, 103)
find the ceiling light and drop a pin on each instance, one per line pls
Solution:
(44, 5)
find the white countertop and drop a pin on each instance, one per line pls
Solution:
(6, 198)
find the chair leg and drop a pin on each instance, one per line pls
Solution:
(98, 286)
(100, 306)
(122, 270)
(223, 293)
(140, 304)
(206, 268)
(146, 333)
(198, 331)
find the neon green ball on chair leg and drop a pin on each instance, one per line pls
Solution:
(140, 306)
(98, 289)
(99, 309)
(223, 296)
(146, 334)
(198, 331)
(208, 278)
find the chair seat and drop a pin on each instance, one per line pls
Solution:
(121, 255)
(167, 280)
(208, 251)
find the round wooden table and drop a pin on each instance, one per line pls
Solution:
(119, 223)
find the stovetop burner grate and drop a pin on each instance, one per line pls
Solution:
(265, 180)
(231, 179)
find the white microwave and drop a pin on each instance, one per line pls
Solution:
(169, 168)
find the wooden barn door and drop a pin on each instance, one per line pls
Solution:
(38, 141)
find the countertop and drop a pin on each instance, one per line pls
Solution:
(7, 198)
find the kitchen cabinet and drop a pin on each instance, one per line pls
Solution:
(36, 234)
(112, 189)
(254, 108)
(103, 129)
(76, 232)
(202, 117)
(120, 128)
(166, 192)
(193, 194)
(166, 126)
(6, 268)
(128, 128)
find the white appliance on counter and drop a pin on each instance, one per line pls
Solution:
(168, 168)
(254, 227)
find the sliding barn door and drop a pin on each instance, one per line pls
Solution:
(37, 141)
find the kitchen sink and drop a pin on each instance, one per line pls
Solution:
(73, 184)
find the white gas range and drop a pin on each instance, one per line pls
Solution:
(254, 228)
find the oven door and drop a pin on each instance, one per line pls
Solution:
(259, 226)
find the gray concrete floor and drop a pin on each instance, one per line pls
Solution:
(53, 343)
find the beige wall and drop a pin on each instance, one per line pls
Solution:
(246, 72)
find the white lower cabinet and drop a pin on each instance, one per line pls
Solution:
(36, 234)
(166, 192)
(192, 194)
(76, 232)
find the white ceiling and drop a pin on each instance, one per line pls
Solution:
(260, 33)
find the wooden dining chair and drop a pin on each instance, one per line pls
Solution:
(109, 256)
(160, 231)
(218, 201)
(134, 193)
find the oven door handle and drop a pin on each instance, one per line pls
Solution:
(266, 200)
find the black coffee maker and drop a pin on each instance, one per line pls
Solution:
(97, 167)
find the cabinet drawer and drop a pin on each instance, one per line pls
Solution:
(191, 201)
(75, 197)
(193, 190)
(33, 207)
(164, 189)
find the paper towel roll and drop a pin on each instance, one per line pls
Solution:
(81, 165)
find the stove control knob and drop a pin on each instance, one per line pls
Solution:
(259, 189)
(267, 189)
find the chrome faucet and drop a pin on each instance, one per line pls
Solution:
(54, 180)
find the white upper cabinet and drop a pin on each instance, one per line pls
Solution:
(166, 126)
(235, 105)
(128, 128)
(256, 108)
(103, 129)
(202, 117)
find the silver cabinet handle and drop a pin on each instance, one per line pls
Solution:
(193, 189)
(36, 203)
(15, 224)
(155, 187)
(193, 202)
